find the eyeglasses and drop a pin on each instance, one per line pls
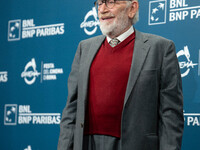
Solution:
(108, 3)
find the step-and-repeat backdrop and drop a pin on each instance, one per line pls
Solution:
(38, 40)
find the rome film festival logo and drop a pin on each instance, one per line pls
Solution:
(48, 72)
(14, 30)
(185, 66)
(86, 24)
(30, 75)
(157, 12)
(10, 114)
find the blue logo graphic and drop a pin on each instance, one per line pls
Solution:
(10, 114)
(14, 30)
(157, 12)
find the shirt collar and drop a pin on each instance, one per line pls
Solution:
(123, 36)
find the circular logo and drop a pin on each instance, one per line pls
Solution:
(185, 65)
(30, 76)
(89, 24)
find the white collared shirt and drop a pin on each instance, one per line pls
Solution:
(123, 36)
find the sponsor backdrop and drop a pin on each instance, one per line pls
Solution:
(38, 42)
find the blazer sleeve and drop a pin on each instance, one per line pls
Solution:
(171, 121)
(68, 120)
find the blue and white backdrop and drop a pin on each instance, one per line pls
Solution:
(38, 40)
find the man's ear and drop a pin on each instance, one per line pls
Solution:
(133, 9)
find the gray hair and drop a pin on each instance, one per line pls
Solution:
(136, 17)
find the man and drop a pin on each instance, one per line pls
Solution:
(124, 89)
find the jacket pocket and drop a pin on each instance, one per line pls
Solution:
(151, 142)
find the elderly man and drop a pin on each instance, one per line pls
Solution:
(124, 89)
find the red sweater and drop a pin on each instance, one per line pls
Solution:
(108, 79)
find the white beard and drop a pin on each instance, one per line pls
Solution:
(120, 23)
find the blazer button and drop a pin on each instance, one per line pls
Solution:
(81, 125)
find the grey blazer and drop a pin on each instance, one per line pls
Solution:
(152, 117)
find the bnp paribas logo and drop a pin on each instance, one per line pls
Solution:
(163, 11)
(10, 114)
(157, 12)
(22, 29)
(14, 30)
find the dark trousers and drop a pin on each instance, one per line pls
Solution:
(101, 142)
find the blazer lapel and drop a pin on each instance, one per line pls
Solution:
(93, 51)
(140, 52)
(91, 54)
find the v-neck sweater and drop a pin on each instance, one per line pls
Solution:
(108, 79)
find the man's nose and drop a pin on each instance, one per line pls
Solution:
(103, 8)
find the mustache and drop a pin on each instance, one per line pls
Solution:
(109, 15)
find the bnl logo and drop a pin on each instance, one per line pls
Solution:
(10, 114)
(14, 30)
(157, 12)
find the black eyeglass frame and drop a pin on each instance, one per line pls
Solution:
(106, 3)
